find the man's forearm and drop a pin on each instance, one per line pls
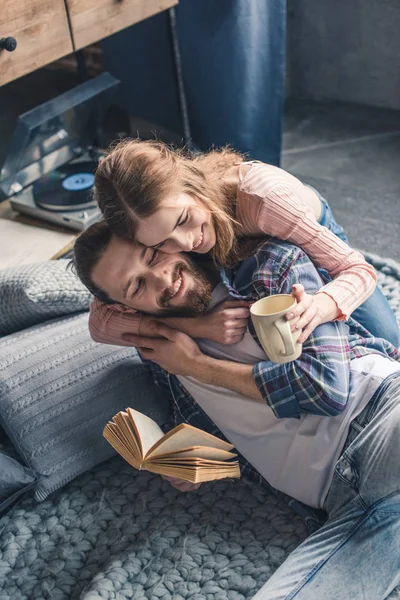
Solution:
(233, 376)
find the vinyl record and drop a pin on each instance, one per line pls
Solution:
(66, 188)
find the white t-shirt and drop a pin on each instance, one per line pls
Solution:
(296, 456)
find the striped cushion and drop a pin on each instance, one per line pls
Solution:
(58, 389)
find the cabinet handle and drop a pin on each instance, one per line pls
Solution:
(8, 43)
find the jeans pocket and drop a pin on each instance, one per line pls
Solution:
(347, 471)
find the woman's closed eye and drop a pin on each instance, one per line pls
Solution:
(184, 219)
(153, 257)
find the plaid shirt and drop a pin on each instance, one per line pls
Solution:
(317, 382)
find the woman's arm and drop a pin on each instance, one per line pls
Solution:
(278, 211)
(224, 324)
(108, 323)
(114, 323)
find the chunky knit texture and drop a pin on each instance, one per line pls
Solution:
(34, 293)
(115, 533)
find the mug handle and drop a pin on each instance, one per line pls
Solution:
(284, 329)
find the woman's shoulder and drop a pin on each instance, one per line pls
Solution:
(259, 177)
(267, 197)
(257, 188)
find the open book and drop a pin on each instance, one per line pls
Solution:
(185, 451)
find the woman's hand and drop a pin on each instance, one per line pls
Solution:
(181, 484)
(306, 314)
(225, 324)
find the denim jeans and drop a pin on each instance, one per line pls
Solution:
(375, 313)
(355, 555)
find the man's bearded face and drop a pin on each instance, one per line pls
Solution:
(151, 281)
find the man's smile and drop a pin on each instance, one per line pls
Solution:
(178, 287)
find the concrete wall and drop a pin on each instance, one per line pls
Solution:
(345, 50)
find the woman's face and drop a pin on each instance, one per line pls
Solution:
(181, 224)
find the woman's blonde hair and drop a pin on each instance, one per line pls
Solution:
(136, 175)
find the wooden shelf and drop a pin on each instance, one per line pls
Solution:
(42, 33)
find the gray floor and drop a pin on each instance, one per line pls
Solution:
(351, 154)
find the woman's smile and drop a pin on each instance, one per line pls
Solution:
(201, 240)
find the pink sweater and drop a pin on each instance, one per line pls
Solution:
(273, 202)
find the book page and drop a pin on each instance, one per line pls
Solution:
(191, 462)
(196, 452)
(196, 474)
(120, 447)
(185, 437)
(148, 432)
(123, 427)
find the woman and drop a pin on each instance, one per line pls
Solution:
(204, 204)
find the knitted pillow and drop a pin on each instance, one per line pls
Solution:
(31, 294)
(58, 389)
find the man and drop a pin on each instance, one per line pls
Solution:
(324, 429)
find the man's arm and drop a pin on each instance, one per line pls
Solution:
(233, 376)
(318, 381)
(178, 354)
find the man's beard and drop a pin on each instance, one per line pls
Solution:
(196, 301)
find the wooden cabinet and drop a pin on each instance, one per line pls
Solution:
(46, 30)
(42, 33)
(93, 20)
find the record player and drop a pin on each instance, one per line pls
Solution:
(49, 170)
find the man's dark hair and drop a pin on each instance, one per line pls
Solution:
(88, 249)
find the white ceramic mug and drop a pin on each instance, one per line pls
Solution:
(273, 330)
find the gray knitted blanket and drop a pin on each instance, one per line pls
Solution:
(116, 533)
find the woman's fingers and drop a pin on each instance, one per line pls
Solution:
(236, 339)
(236, 303)
(299, 309)
(294, 324)
(237, 313)
(307, 331)
(236, 324)
(306, 318)
(234, 336)
(298, 291)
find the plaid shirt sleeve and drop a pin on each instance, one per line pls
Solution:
(318, 381)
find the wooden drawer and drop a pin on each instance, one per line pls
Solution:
(42, 33)
(93, 20)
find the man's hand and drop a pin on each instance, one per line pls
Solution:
(181, 484)
(178, 354)
(146, 327)
(173, 350)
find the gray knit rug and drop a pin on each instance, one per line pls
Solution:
(116, 533)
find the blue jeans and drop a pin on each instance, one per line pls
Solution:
(355, 555)
(375, 313)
